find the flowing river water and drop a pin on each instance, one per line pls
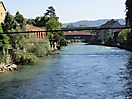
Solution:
(78, 71)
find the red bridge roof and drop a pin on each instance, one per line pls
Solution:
(77, 33)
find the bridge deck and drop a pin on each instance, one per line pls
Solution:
(70, 29)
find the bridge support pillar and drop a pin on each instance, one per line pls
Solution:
(55, 48)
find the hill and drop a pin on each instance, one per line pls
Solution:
(95, 23)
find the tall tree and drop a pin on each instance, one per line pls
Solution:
(129, 12)
(54, 24)
(50, 12)
(9, 23)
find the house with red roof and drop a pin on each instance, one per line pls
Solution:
(39, 34)
(109, 24)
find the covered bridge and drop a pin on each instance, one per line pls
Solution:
(83, 36)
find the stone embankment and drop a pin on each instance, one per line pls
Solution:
(8, 67)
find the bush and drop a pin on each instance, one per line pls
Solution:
(21, 57)
(63, 42)
(40, 48)
(103, 42)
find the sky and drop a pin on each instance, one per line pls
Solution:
(69, 10)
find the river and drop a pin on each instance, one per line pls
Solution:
(78, 71)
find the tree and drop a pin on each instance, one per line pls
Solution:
(9, 23)
(20, 20)
(70, 25)
(129, 12)
(31, 21)
(109, 35)
(40, 21)
(50, 12)
(52, 24)
(129, 21)
(20, 46)
(124, 34)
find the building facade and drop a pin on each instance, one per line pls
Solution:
(109, 24)
(2, 12)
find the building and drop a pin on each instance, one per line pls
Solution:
(83, 36)
(109, 24)
(2, 12)
(38, 34)
(95, 36)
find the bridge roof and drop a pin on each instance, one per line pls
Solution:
(77, 33)
(118, 30)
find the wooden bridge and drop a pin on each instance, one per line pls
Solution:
(78, 35)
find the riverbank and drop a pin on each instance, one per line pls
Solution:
(8, 67)
(113, 44)
(15, 67)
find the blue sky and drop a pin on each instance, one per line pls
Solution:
(69, 10)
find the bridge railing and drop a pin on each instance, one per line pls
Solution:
(70, 29)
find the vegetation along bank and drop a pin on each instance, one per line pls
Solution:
(25, 48)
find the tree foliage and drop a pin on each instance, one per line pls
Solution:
(9, 23)
(110, 35)
(70, 25)
(31, 21)
(54, 24)
(4, 43)
(129, 20)
(17, 41)
(21, 53)
(124, 34)
(20, 20)
(39, 21)
(50, 12)
(129, 12)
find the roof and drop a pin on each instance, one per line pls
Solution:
(33, 28)
(118, 30)
(77, 33)
(108, 23)
(3, 5)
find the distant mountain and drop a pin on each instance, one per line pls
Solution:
(95, 23)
